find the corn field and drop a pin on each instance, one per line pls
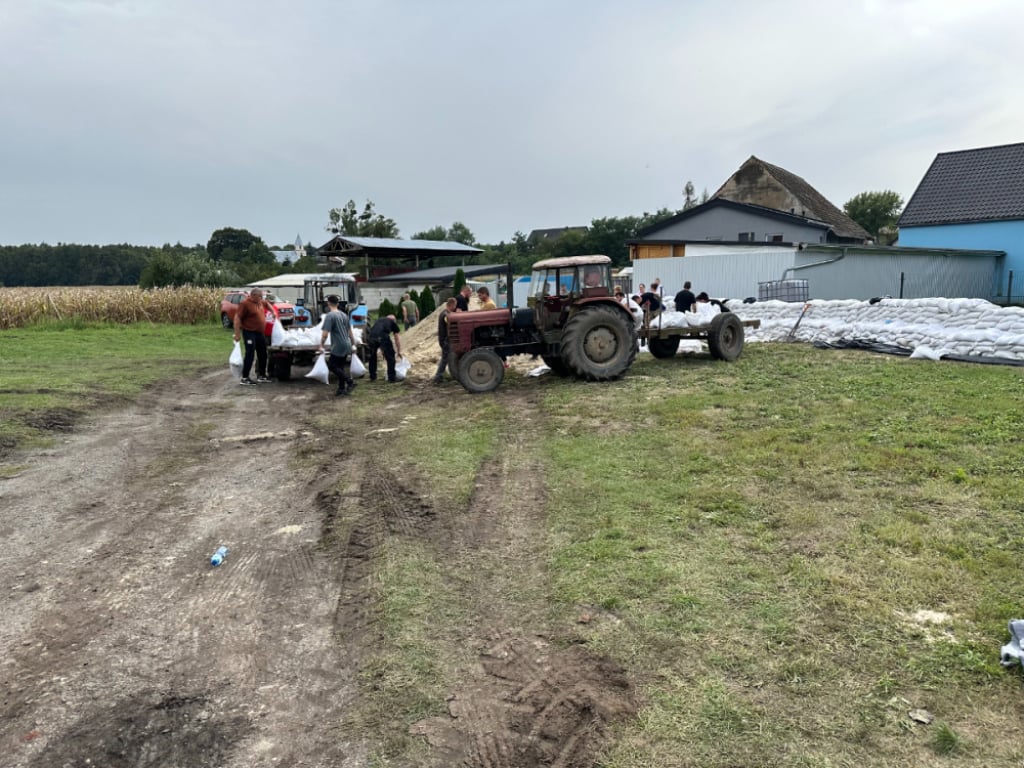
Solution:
(118, 304)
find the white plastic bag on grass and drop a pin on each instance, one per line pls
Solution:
(235, 361)
(320, 371)
(357, 368)
(402, 368)
(277, 336)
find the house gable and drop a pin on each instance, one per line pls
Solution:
(973, 185)
(537, 236)
(769, 186)
(727, 221)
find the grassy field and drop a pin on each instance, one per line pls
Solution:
(53, 371)
(788, 554)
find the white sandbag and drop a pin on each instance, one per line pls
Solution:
(925, 353)
(402, 368)
(540, 370)
(277, 335)
(320, 371)
(235, 361)
(357, 369)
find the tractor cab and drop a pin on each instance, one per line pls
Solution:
(559, 286)
(317, 288)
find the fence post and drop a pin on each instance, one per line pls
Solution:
(1009, 290)
(902, 276)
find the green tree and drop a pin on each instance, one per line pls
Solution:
(459, 281)
(386, 308)
(368, 223)
(459, 233)
(875, 211)
(437, 233)
(427, 302)
(456, 233)
(238, 245)
(170, 269)
(690, 196)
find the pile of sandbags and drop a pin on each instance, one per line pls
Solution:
(960, 327)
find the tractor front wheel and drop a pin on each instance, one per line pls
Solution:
(481, 370)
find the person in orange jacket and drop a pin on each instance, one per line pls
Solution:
(250, 323)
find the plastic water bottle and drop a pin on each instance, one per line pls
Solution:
(218, 556)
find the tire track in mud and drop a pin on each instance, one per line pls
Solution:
(530, 701)
(381, 506)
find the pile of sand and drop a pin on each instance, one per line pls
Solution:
(419, 344)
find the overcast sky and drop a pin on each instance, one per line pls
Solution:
(160, 121)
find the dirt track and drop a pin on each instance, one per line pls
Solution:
(122, 646)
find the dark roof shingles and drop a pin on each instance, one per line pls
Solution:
(970, 185)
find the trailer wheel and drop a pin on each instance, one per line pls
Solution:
(725, 337)
(481, 370)
(662, 348)
(556, 364)
(280, 368)
(226, 321)
(599, 343)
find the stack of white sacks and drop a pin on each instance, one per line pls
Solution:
(310, 337)
(929, 327)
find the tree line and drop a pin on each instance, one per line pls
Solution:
(237, 256)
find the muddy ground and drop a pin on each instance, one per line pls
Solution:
(121, 646)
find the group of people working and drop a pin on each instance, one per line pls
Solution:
(652, 298)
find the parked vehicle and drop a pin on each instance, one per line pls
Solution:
(313, 303)
(316, 289)
(284, 310)
(574, 323)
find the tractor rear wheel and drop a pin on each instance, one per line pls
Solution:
(725, 337)
(662, 348)
(599, 343)
(481, 370)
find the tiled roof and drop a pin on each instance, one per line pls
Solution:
(970, 185)
(816, 205)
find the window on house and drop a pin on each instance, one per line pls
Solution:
(773, 238)
(745, 237)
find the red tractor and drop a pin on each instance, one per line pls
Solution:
(572, 321)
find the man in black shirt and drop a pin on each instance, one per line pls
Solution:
(685, 299)
(379, 338)
(650, 302)
(442, 339)
(462, 300)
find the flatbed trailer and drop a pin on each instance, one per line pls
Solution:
(724, 336)
(282, 357)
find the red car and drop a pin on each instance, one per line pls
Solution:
(229, 306)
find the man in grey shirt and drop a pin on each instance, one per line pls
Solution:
(340, 361)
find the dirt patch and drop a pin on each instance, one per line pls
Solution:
(147, 730)
(52, 420)
(531, 704)
(121, 644)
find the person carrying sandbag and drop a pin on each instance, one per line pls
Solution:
(340, 361)
(379, 338)
(250, 320)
